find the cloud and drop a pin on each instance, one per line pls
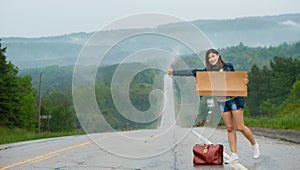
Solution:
(290, 23)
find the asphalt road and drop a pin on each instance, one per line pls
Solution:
(79, 152)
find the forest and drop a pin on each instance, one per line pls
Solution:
(274, 90)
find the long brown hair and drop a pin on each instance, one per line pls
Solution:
(220, 63)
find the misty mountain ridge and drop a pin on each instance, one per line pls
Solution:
(64, 50)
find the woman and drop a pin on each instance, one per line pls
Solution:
(231, 108)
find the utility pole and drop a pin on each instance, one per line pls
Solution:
(39, 103)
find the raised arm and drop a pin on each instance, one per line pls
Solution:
(191, 72)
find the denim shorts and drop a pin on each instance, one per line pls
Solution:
(233, 104)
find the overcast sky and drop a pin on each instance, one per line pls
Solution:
(35, 18)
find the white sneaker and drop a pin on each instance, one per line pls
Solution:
(255, 148)
(233, 158)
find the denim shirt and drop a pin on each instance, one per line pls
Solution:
(192, 72)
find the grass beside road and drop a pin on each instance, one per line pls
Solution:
(18, 135)
(290, 120)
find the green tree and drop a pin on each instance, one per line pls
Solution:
(59, 106)
(254, 99)
(296, 89)
(27, 107)
(267, 108)
(270, 88)
(8, 89)
(17, 103)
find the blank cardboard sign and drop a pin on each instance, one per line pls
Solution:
(221, 84)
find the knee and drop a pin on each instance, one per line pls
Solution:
(230, 129)
(241, 128)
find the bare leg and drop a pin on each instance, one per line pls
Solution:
(238, 116)
(228, 120)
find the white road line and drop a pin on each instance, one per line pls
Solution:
(236, 166)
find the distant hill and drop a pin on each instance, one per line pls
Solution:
(64, 50)
(252, 31)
